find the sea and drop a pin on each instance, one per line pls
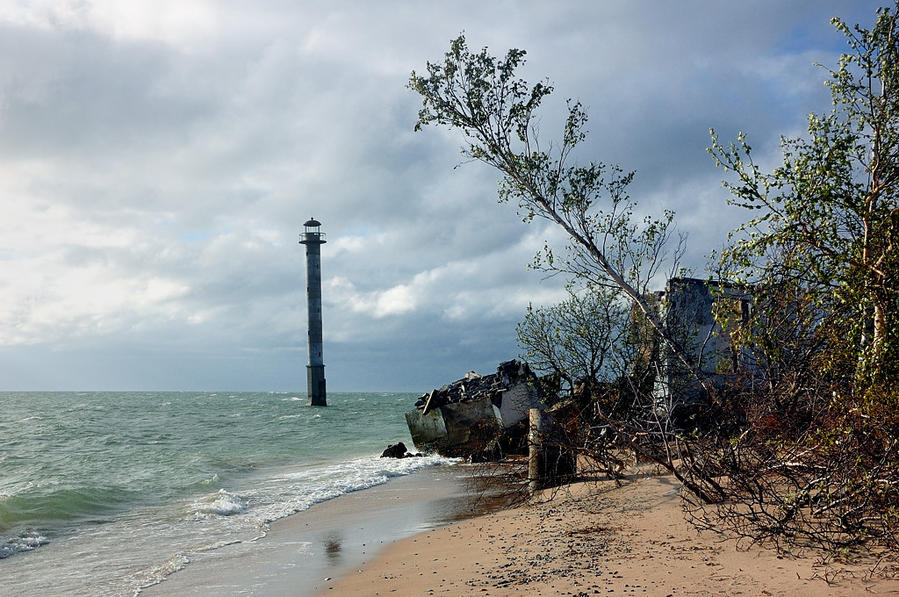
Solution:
(106, 493)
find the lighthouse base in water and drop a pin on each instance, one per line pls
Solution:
(315, 382)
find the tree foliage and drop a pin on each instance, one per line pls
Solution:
(481, 96)
(579, 339)
(816, 462)
(828, 218)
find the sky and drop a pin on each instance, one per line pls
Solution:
(158, 159)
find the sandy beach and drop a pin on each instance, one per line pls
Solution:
(599, 539)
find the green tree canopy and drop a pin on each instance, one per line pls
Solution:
(828, 218)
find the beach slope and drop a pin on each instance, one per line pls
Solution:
(598, 539)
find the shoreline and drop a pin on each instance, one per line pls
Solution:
(302, 552)
(596, 538)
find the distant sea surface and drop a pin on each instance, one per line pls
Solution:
(104, 493)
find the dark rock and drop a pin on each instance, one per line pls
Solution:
(395, 451)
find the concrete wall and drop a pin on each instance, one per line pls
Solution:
(457, 429)
(689, 307)
(516, 402)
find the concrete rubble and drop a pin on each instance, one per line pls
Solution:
(464, 417)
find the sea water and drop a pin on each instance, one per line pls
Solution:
(106, 493)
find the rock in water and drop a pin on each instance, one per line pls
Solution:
(394, 451)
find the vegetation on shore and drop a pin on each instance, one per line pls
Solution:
(801, 446)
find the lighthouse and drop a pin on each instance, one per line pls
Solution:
(313, 238)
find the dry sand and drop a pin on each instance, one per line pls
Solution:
(598, 539)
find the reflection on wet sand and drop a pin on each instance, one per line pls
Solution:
(332, 549)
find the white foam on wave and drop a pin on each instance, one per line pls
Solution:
(248, 516)
(297, 491)
(26, 541)
(157, 574)
(221, 503)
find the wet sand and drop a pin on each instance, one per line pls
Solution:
(304, 553)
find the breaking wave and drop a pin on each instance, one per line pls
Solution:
(26, 541)
(221, 503)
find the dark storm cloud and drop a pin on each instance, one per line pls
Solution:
(74, 93)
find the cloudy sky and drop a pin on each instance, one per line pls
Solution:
(158, 159)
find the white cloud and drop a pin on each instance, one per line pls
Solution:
(169, 21)
(395, 301)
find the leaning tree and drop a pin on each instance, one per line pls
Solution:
(481, 96)
(496, 112)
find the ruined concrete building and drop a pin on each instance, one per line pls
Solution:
(461, 418)
(693, 311)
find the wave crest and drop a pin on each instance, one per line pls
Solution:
(221, 503)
